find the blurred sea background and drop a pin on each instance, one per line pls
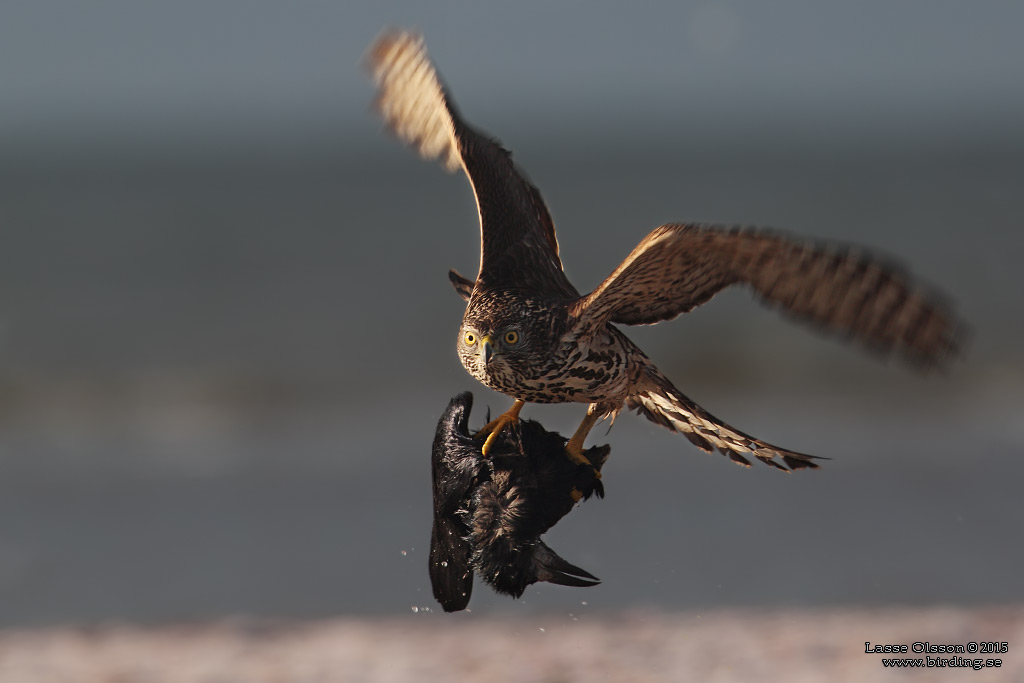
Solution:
(226, 330)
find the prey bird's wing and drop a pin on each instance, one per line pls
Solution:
(517, 235)
(841, 289)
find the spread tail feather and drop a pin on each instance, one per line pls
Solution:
(663, 404)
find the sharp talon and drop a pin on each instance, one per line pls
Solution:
(495, 427)
(491, 438)
(575, 453)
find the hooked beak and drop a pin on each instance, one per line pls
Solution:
(486, 350)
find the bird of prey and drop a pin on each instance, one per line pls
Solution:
(528, 333)
(489, 512)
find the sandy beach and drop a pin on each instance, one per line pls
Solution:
(724, 645)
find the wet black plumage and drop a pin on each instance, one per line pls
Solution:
(489, 512)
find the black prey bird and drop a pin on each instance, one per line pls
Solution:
(489, 512)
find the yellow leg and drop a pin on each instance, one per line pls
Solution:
(574, 449)
(493, 428)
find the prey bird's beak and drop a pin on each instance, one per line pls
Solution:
(486, 349)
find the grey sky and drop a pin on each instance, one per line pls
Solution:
(264, 67)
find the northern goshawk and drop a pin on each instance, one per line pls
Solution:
(528, 333)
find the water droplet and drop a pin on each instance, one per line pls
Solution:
(540, 629)
(444, 563)
(415, 609)
(404, 553)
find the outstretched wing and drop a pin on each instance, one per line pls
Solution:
(678, 267)
(517, 235)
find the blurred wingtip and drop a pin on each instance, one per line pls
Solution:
(387, 41)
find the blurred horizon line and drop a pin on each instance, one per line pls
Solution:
(831, 131)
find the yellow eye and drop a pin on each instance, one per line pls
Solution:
(511, 337)
(470, 339)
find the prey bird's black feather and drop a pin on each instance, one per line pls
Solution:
(490, 512)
